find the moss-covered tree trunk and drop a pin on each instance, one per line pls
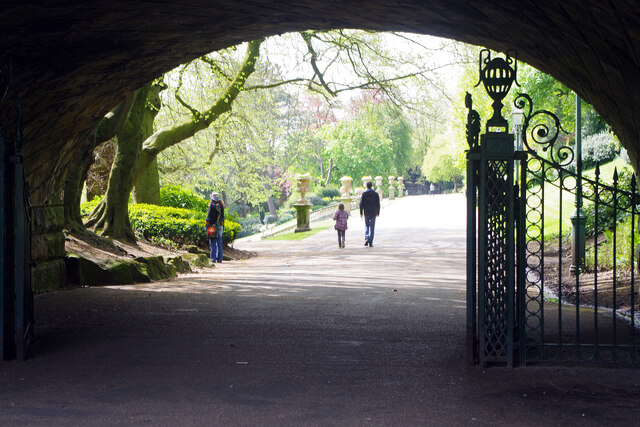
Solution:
(111, 215)
(147, 189)
(83, 157)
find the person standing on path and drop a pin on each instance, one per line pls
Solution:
(215, 217)
(340, 217)
(370, 207)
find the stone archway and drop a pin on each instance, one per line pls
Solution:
(72, 62)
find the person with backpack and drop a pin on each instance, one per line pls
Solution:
(215, 227)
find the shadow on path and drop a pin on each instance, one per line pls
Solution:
(304, 334)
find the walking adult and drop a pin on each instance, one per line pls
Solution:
(370, 208)
(215, 217)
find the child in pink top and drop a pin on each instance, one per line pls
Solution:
(340, 217)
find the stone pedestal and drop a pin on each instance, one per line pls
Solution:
(400, 186)
(303, 207)
(302, 215)
(392, 188)
(379, 186)
(346, 201)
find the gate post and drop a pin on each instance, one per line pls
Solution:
(491, 246)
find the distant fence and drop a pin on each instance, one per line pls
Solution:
(416, 188)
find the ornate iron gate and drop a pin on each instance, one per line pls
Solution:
(527, 300)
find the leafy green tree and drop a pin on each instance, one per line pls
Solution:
(134, 154)
(358, 148)
(442, 161)
(326, 56)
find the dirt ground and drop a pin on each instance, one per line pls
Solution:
(142, 248)
(591, 288)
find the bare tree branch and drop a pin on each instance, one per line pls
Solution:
(306, 36)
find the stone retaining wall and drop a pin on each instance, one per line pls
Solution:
(48, 270)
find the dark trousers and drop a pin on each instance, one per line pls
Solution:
(369, 227)
(341, 235)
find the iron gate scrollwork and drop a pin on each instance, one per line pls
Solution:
(576, 313)
(527, 300)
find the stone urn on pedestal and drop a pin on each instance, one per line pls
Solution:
(392, 188)
(400, 186)
(302, 206)
(365, 179)
(345, 192)
(379, 186)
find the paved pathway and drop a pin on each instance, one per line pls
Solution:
(303, 335)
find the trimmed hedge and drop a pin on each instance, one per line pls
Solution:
(182, 226)
(181, 221)
(177, 197)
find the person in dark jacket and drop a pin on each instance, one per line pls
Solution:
(370, 207)
(215, 216)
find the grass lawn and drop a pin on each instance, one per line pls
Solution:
(316, 227)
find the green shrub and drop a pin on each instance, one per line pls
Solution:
(286, 215)
(316, 200)
(599, 148)
(176, 197)
(87, 207)
(250, 225)
(231, 215)
(331, 191)
(231, 231)
(182, 226)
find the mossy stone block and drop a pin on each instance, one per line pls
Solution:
(156, 268)
(47, 246)
(179, 264)
(48, 275)
(83, 271)
(47, 219)
(198, 260)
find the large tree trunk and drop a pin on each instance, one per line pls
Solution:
(147, 189)
(111, 215)
(273, 211)
(147, 183)
(82, 159)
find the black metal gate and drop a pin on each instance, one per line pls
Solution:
(16, 296)
(537, 290)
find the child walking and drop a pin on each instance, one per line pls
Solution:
(340, 217)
